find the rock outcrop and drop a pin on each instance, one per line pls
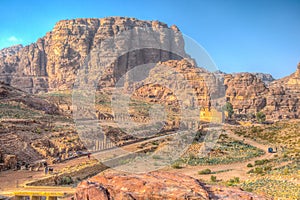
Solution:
(283, 97)
(252, 93)
(10, 94)
(266, 78)
(6, 52)
(154, 185)
(245, 92)
(52, 62)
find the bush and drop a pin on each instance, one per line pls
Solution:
(66, 180)
(198, 136)
(255, 129)
(156, 157)
(267, 168)
(261, 117)
(176, 165)
(205, 171)
(261, 162)
(257, 170)
(249, 165)
(213, 178)
(38, 131)
(234, 181)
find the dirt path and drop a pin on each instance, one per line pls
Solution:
(13, 179)
(238, 169)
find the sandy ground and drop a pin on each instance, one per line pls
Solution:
(239, 169)
(15, 179)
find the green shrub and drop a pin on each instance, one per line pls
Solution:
(257, 170)
(192, 156)
(261, 162)
(66, 180)
(155, 143)
(267, 168)
(285, 171)
(204, 171)
(234, 181)
(176, 165)
(156, 157)
(255, 129)
(38, 131)
(198, 136)
(213, 179)
(249, 165)
(261, 117)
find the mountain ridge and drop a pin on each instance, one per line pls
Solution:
(53, 61)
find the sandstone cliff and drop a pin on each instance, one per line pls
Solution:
(266, 78)
(245, 92)
(6, 52)
(283, 97)
(52, 62)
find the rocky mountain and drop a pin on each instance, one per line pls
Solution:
(52, 63)
(6, 52)
(251, 93)
(266, 78)
(154, 185)
(283, 97)
(248, 93)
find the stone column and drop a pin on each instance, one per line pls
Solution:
(51, 198)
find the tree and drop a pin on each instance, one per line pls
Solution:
(260, 117)
(229, 109)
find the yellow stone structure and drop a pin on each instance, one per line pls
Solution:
(211, 115)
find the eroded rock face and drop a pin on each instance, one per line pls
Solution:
(205, 85)
(283, 97)
(11, 94)
(246, 92)
(10, 51)
(266, 78)
(154, 185)
(52, 62)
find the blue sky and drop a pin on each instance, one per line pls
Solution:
(254, 36)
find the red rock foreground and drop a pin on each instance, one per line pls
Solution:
(154, 185)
